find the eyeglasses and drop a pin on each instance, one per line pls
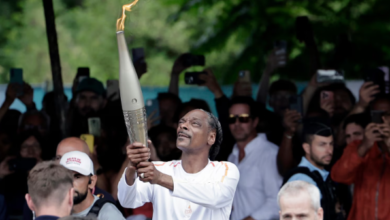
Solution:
(243, 118)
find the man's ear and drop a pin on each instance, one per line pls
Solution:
(320, 213)
(104, 102)
(68, 201)
(70, 194)
(92, 183)
(212, 138)
(306, 148)
(30, 203)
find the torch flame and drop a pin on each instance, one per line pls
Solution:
(120, 23)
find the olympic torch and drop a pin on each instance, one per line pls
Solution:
(133, 105)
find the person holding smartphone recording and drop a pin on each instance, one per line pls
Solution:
(183, 62)
(274, 61)
(11, 94)
(222, 103)
(89, 101)
(365, 163)
(290, 142)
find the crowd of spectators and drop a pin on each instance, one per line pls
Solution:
(323, 136)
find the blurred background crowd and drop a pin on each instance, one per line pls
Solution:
(325, 121)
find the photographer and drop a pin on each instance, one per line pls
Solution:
(14, 169)
(365, 164)
(90, 100)
(222, 104)
(354, 127)
(11, 94)
(290, 151)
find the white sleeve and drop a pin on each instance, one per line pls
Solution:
(134, 196)
(213, 194)
(271, 182)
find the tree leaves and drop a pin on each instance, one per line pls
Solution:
(258, 23)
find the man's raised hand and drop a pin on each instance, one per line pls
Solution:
(367, 92)
(136, 153)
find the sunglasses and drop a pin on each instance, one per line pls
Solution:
(243, 118)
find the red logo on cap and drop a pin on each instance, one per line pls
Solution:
(73, 160)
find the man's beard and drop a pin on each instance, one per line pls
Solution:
(88, 112)
(318, 161)
(79, 197)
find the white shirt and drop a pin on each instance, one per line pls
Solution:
(257, 191)
(205, 195)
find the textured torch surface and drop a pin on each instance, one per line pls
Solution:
(136, 125)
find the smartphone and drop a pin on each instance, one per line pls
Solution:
(296, 103)
(281, 49)
(244, 76)
(327, 96)
(152, 107)
(386, 79)
(376, 117)
(192, 78)
(89, 139)
(112, 89)
(194, 60)
(22, 164)
(94, 126)
(330, 76)
(302, 27)
(138, 55)
(16, 77)
(82, 73)
(377, 76)
(280, 46)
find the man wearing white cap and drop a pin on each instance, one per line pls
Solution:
(84, 180)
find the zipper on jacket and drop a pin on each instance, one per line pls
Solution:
(378, 186)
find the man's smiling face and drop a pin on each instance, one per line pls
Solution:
(193, 131)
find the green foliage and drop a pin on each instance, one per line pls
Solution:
(234, 35)
(255, 24)
(86, 37)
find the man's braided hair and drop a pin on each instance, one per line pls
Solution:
(214, 125)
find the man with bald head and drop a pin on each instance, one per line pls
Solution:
(76, 144)
(65, 146)
(71, 144)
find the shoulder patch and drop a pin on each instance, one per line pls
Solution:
(226, 171)
(159, 164)
(100, 195)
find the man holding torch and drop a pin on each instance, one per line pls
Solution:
(191, 188)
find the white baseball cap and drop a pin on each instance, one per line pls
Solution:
(78, 161)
